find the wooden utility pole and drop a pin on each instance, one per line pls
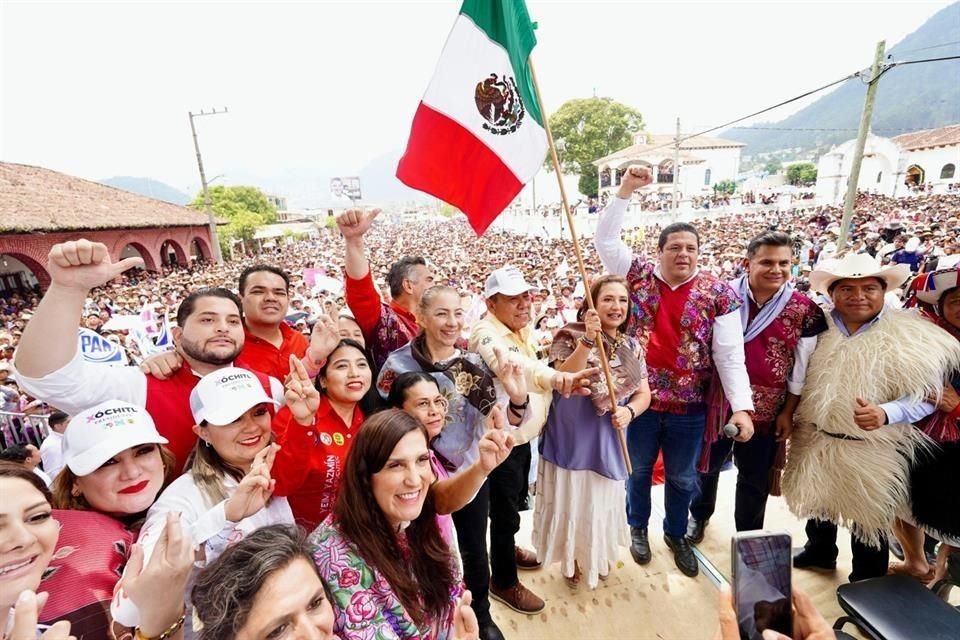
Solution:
(214, 239)
(865, 117)
(676, 170)
(581, 266)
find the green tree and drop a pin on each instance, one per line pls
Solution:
(727, 187)
(245, 209)
(772, 167)
(802, 173)
(586, 129)
(447, 210)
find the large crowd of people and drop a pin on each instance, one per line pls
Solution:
(343, 436)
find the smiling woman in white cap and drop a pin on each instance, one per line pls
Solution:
(226, 491)
(115, 466)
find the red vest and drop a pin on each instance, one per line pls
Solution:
(168, 403)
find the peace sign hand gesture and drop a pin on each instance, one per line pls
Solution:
(301, 396)
(511, 376)
(496, 444)
(255, 489)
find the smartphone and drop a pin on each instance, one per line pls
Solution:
(761, 563)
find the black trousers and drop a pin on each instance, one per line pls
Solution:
(868, 562)
(471, 525)
(508, 491)
(754, 460)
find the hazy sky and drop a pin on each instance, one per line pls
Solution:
(103, 89)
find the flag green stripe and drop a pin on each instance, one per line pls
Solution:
(507, 23)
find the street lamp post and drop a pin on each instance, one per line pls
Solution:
(214, 239)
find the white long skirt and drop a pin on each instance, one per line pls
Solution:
(580, 516)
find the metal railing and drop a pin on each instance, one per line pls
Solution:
(23, 428)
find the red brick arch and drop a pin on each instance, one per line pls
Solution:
(39, 271)
(202, 246)
(176, 245)
(139, 242)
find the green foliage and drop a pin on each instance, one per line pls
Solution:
(589, 184)
(803, 173)
(330, 223)
(727, 187)
(245, 209)
(448, 210)
(587, 129)
(772, 168)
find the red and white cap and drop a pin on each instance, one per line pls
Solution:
(224, 395)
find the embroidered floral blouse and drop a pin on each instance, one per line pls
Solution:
(365, 606)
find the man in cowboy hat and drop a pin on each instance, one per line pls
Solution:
(867, 381)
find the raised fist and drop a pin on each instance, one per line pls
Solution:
(353, 223)
(81, 264)
(636, 177)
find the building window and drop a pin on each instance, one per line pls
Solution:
(706, 178)
(879, 177)
(665, 172)
(948, 171)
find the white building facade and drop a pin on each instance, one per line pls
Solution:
(704, 161)
(893, 166)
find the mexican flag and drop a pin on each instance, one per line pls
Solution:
(478, 134)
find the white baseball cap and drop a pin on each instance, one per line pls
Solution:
(506, 280)
(94, 436)
(226, 394)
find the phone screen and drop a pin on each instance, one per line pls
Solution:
(761, 584)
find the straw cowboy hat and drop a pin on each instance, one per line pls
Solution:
(856, 265)
(931, 286)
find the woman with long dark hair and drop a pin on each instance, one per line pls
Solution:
(313, 447)
(381, 552)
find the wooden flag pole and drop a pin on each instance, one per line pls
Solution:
(588, 298)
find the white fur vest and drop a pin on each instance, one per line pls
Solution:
(861, 482)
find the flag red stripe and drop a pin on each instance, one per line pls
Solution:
(446, 160)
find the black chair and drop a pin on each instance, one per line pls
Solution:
(897, 608)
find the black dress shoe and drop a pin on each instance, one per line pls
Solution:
(807, 559)
(490, 631)
(696, 529)
(683, 555)
(639, 545)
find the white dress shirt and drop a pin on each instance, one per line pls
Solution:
(727, 344)
(51, 453)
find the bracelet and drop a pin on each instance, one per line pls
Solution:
(587, 342)
(168, 633)
(520, 406)
(633, 414)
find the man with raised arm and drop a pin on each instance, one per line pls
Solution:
(50, 367)
(689, 324)
(386, 326)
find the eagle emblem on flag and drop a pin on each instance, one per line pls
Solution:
(498, 101)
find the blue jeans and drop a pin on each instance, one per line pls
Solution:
(680, 438)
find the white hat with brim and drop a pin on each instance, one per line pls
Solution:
(935, 284)
(94, 436)
(223, 396)
(508, 281)
(855, 266)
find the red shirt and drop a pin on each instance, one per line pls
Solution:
(260, 355)
(386, 327)
(310, 461)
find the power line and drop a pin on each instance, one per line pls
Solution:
(856, 74)
(933, 46)
(754, 114)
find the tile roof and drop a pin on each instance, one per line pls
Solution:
(944, 136)
(38, 199)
